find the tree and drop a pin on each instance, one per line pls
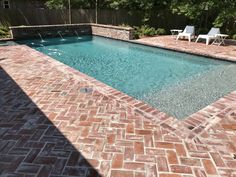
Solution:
(205, 13)
(202, 13)
(55, 4)
(146, 6)
(63, 4)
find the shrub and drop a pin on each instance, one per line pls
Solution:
(234, 37)
(124, 25)
(202, 30)
(144, 30)
(160, 31)
(4, 32)
(4, 28)
(148, 31)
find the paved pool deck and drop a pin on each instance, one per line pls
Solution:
(225, 52)
(57, 122)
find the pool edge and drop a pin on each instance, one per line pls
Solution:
(188, 128)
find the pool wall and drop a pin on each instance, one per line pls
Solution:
(115, 32)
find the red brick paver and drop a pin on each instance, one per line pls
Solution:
(50, 127)
(227, 52)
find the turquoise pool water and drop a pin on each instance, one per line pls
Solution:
(143, 72)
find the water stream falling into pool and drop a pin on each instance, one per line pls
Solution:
(76, 33)
(59, 32)
(40, 36)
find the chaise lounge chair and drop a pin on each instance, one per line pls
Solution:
(188, 32)
(209, 36)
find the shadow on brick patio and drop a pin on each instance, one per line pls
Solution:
(30, 144)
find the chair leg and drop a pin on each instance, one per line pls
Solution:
(177, 38)
(197, 39)
(189, 38)
(207, 41)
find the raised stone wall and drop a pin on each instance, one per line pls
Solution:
(24, 32)
(115, 32)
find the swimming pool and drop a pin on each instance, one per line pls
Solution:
(176, 83)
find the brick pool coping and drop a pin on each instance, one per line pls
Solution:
(210, 55)
(188, 128)
(200, 49)
(191, 129)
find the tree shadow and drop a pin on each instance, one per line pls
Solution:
(30, 144)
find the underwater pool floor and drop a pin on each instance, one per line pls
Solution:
(57, 121)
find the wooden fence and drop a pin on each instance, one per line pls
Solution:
(16, 17)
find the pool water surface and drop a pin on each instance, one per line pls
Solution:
(176, 83)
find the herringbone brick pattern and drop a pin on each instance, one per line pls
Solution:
(55, 121)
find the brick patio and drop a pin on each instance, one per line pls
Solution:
(51, 125)
(227, 52)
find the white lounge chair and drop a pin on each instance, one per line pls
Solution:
(188, 32)
(209, 36)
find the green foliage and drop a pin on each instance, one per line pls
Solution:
(202, 30)
(160, 31)
(208, 13)
(202, 13)
(124, 25)
(146, 30)
(55, 4)
(144, 5)
(191, 8)
(234, 37)
(4, 32)
(63, 4)
(4, 28)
